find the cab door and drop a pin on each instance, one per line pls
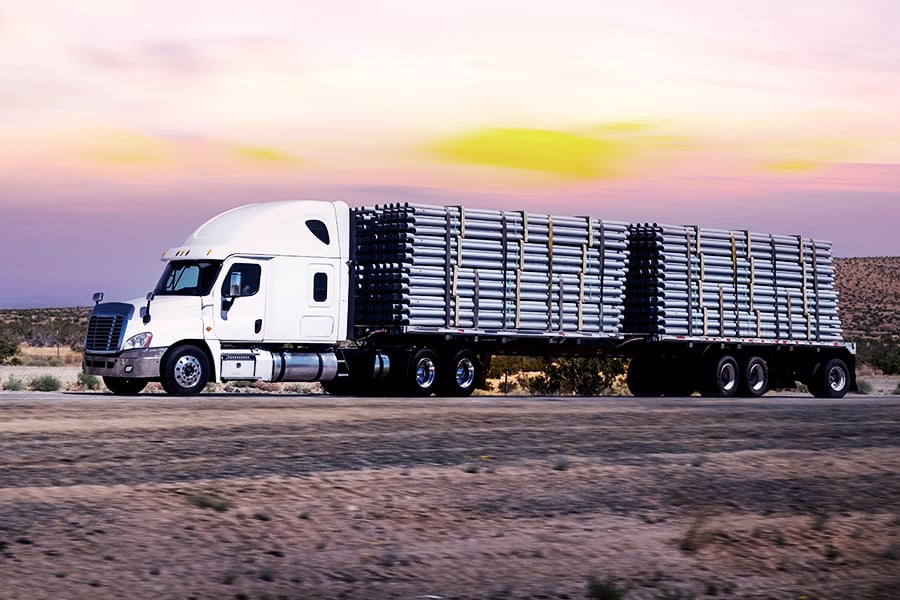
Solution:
(240, 301)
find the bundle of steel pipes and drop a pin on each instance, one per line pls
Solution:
(687, 281)
(453, 268)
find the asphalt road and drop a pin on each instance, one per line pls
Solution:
(71, 439)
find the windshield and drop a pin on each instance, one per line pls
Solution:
(188, 278)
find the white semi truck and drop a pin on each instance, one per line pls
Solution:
(408, 299)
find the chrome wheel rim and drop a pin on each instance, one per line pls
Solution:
(425, 373)
(465, 373)
(188, 371)
(837, 379)
(727, 377)
(756, 378)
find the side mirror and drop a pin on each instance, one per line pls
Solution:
(97, 297)
(234, 285)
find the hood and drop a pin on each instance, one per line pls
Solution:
(172, 318)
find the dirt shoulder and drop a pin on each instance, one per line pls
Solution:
(302, 497)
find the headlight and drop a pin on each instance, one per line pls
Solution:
(141, 340)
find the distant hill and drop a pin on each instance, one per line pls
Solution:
(869, 307)
(869, 300)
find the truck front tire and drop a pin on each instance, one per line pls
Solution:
(186, 371)
(121, 386)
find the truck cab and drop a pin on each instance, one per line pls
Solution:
(257, 292)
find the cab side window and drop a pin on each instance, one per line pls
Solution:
(250, 275)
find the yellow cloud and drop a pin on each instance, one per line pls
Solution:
(260, 154)
(795, 166)
(558, 152)
(130, 149)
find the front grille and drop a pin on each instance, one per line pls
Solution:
(104, 333)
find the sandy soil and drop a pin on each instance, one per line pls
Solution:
(318, 497)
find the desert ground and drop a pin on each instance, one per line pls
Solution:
(289, 496)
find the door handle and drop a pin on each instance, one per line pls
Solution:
(257, 327)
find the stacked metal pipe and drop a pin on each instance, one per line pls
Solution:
(452, 268)
(687, 281)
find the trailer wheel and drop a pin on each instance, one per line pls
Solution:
(123, 386)
(422, 375)
(642, 381)
(831, 379)
(755, 380)
(186, 371)
(722, 377)
(462, 375)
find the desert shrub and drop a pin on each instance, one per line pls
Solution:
(883, 354)
(561, 464)
(604, 590)
(89, 382)
(202, 500)
(864, 386)
(511, 365)
(538, 385)
(506, 385)
(45, 383)
(8, 348)
(575, 376)
(13, 384)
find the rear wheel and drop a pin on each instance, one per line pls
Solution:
(463, 373)
(642, 379)
(122, 386)
(186, 371)
(755, 380)
(830, 379)
(722, 377)
(422, 374)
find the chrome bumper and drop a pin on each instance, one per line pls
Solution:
(132, 364)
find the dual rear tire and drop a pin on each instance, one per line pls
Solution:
(721, 376)
(454, 375)
(729, 376)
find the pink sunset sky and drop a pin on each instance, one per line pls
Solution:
(125, 124)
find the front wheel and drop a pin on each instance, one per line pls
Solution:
(186, 371)
(122, 386)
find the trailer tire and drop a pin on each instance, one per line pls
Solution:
(423, 372)
(186, 371)
(123, 386)
(642, 380)
(462, 375)
(722, 375)
(830, 379)
(755, 377)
